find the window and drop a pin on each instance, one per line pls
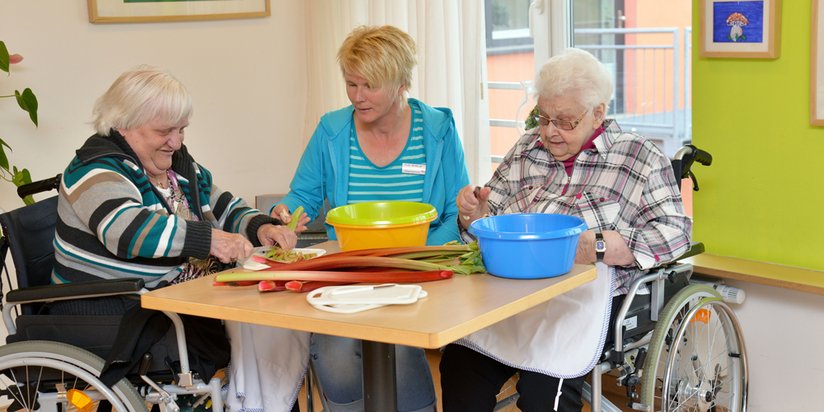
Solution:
(507, 25)
(510, 68)
(645, 43)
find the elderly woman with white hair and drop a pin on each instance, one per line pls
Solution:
(575, 162)
(134, 203)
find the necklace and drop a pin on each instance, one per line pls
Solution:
(161, 182)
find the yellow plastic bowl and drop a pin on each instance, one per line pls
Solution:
(381, 224)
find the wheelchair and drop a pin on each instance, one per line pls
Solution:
(674, 345)
(54, 362)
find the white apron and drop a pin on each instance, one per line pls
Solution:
(267, 367)
(563, 337)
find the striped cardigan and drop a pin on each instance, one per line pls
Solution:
(113, 223)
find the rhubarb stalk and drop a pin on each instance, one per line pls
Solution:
(463, 259)
(308, 285)
(336, 276)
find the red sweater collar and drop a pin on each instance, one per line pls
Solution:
(590, 143)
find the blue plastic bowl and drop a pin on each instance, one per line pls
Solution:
(528, 245)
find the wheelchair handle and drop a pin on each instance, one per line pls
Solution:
(683, 160)
(687, 154)
(702, 157)
(44, 185)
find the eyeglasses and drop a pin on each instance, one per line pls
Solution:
(561, 124)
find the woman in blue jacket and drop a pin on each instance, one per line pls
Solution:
(384, 146)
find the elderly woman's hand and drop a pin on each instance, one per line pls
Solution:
(617, 254)
(229, 247)
(472, 204)
(282, 212)
(270, 234)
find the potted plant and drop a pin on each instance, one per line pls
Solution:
(28, 102)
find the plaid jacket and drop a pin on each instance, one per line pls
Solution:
(625, 184)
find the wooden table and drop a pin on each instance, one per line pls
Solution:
(453, 309)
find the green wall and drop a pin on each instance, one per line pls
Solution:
(763, 196)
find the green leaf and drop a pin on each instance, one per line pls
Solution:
(4, 160)
(4, 57)
(20, 178)
(28, 102)
(530, 119)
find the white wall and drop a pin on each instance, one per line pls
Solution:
(247, 78)
(783, 330)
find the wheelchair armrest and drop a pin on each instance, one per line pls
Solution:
(696, 248)
(96, 288)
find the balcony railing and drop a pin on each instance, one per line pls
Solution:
(651, 70)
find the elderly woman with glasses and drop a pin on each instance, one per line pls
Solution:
(575, 162)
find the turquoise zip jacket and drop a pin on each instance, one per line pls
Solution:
(113, 223)
(323, 171)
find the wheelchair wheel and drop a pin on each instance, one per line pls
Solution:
(696, 359)
(53, 376)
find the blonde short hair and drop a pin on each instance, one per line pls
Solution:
(384, 56)
(575, 72)
(139, 96)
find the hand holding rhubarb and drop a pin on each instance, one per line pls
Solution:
(296, 215)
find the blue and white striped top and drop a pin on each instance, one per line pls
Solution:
(400, 180)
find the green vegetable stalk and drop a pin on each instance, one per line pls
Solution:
(293, 224)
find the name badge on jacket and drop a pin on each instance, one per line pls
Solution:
(413, 169)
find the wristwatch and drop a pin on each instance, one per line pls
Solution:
(600, 246)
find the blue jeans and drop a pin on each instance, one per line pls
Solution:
(337, 365)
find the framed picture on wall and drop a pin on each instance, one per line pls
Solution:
(740, 29)
(817, 65)
(141, 11)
